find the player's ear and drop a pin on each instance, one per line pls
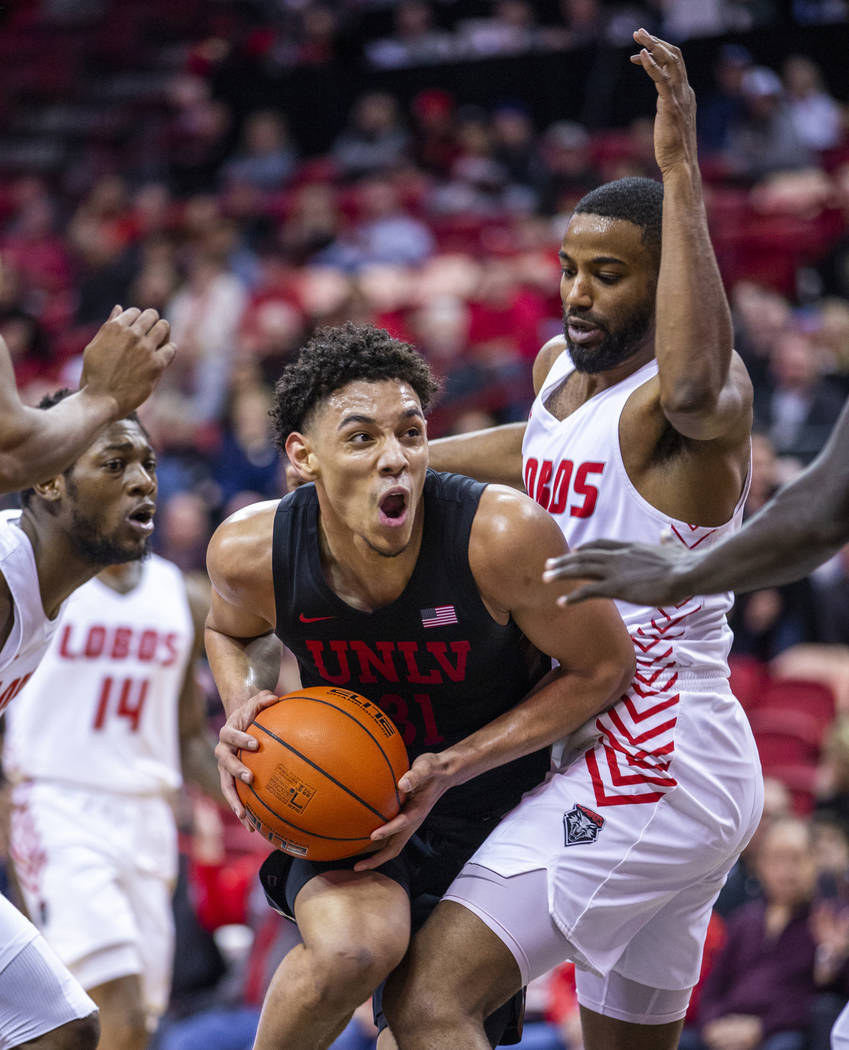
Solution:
(51, 490)
(301, 456)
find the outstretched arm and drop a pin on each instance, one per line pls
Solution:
(802, 526)
(121, 366)
(493, 455)
(702, 394)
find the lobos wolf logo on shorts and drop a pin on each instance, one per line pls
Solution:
(581, 826)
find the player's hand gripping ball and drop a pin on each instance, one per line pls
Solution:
(325, 773)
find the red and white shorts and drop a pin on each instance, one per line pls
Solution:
(628, 888)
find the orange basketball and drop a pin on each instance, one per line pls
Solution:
(325, 773)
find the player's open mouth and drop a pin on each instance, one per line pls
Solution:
(582, 331)
(393, 508)
(141, 519)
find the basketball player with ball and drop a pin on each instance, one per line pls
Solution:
(640, 425)
(99, 512)
(422, 592)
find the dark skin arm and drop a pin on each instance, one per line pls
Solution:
(196, 747)
(243, 651)
(493, 455)
(802, 526)
(702, 391)
(121, 366)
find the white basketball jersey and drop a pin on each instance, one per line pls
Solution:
(31, 630)
(102, 709)
(574, 468)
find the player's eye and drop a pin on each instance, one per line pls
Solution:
(609, 278)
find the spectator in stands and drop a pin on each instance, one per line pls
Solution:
(320, 36)
(833, 270)
(802, 405)
(567, 169)
(742, 884)
(434, 140)
(759, 315)
(582, 25)
(833, 603)
(830, 924)
(416, 41)
(375, 139)
(723, 107)
(184, 526)
(312, 224)
(386, 232)
(815, 113)
(833, 772)
(510, 29)
(205, 314)
(764, 138)
(246, 457)
(759, 994)
(199, 136)
(106, 264)
(516, 150)
(477, 181)
(266, 157)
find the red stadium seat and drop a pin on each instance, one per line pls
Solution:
(748, 678)
(800, 780)
(784, 735)
(815, 699)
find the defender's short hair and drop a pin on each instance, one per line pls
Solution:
(633, 199)
(340, 355)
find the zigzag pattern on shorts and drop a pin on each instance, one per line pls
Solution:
(630, 764)
(30, 856)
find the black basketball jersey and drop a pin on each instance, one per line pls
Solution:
(434, 659)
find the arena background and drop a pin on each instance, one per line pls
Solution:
(256, 169)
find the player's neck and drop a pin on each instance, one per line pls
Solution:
(60, 568)
(360, 575)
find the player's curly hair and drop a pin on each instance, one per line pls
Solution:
(634, 199)
(336, 356)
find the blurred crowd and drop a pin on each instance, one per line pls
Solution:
(440, 221)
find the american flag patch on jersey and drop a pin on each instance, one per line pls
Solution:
(442, 614)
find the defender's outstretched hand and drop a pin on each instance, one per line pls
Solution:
(675, 123)
(633, 572)
(126, 358)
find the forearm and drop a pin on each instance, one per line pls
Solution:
(799, 529)
(493, 455)
(37, 444)
(693, 334)
(242, 667)
(560, 704)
